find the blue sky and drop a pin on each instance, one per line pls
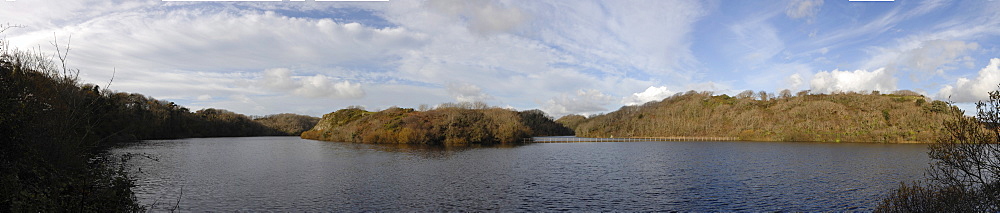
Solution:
(564, 57)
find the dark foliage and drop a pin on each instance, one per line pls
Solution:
(53, 131)
(571, 121)
(290, 124)
(50, 131)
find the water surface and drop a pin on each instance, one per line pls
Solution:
(292, 174)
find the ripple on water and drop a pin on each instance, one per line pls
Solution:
(290, 174)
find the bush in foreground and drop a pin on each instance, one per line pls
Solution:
(965, 169)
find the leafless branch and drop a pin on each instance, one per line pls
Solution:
(113, 72)
(62, 53)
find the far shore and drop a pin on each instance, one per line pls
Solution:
(573, 139)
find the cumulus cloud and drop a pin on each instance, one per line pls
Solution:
(794, 81)
(583, 102)
(972, 90)
(803, 8)
(464, 92)
(651, 94)
(279, 78)
(321, 86)
(858, 80)
(317, 86)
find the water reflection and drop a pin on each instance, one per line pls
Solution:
(428, 151)
(291, 174)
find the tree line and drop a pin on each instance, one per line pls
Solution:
(451, 124)
(54, 129)
(902, 116)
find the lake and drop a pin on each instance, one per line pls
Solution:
(292, 174)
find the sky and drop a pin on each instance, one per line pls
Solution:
(563, 57)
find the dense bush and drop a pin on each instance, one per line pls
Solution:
(965, 167)
(53, 131)
(841, 117)
(455, 124)
(50, 130)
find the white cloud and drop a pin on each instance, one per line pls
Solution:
(932, 55)
(521, 52)
(481, 16)
(972, 90)
(708, 86)
(558, 47)
(794, 81)
(651, 94)
(858, 80)
(220, 39)
(279, 78)
(584, 102)
(317, 86)
(614, 37)
(803, 8)
(464, 92)
(39, 15)
(180, 84)
(320, 86)
(925, 57)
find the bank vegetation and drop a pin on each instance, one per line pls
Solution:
(54, 131)
(898, 117)
(964, 174)
(450, 124)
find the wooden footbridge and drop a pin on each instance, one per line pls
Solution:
(571, 139)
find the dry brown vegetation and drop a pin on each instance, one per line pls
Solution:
(452, 124)
(965, 167)
(287, 123)
(903, 116)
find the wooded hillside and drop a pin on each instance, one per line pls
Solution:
(448, 124)
(903, 116)
(287, 123)
(53, 129)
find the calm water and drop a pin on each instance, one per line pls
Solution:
(288, 173)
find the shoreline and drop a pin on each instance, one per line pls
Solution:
(575, 139)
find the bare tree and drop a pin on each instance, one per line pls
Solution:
(745, 94)
(968, 154)
(785, 94)
(62, 53)
(763, 95)
(965, 169)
